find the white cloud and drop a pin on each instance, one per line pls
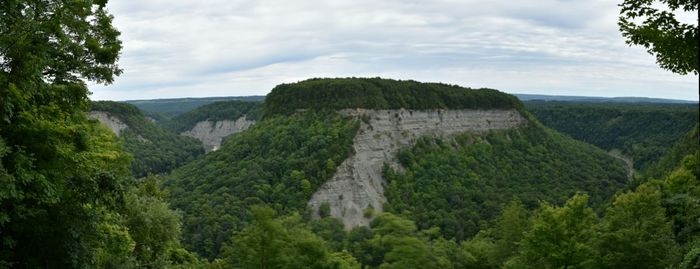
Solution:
(229, 48)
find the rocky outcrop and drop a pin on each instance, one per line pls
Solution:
(358, 182)
(113, 123)
(211, 133)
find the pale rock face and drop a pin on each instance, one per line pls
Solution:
(211, 133)
(358, 182)
(112, 123)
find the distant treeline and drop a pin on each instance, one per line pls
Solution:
(167, 108)
(377, 93)
(641, 131)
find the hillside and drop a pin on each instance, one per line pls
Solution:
(211, 123)
(278, 162)
(154, 149)
(456, 184)
(317, 155)
(377, 93)
(687, 145)
(642, 132)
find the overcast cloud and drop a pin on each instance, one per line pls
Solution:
(196, 48)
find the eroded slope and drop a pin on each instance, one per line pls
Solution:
(358, 183)
(211, 133)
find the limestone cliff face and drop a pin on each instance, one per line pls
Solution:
(358, 182)
(211, 133)
(112, 123)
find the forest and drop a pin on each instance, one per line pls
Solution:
(377, 93)
(278, 162)
(73, 194)
(643, 132)
(456, 185)
(221, 110)
(154, 150)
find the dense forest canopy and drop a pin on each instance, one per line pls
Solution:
(377, 93)
(528, 197)
(651, 226)
(689, 143)
(455, 185)
(279, 162)
(154, 150)
(643, 132)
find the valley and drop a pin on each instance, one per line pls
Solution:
(339, 170)
(349, 160)
(349, 135)
(358, 183)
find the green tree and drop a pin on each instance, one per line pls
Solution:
(62, 176)
(154, 227)
(395, 243)
(509, 230)
(324, 210)
(259, 245)
(407, 252)
(680, 191)
(635, 232)
(675, 44)
(270, 242)
(480, 252)
(331, 230)
(560, 237)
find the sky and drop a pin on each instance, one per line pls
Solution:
(196, 48)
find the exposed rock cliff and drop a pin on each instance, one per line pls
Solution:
(111, 122)
(211, 133)
(358, 182)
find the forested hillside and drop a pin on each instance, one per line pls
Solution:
(377, 93)
(279, 162)
(460, 178)
(222, 110)
(283, 159)
(456, 185)
(154, 149)
(688, 144)
(651, 226)
(643, 132)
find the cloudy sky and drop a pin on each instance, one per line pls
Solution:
(196, 48)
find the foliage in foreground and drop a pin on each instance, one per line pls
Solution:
(653, 25)
(67, 197)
